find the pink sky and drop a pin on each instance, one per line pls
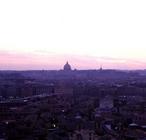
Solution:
(28, 61)
(42, 34)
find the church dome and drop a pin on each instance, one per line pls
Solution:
(67, 66)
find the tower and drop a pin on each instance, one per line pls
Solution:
(101, 68)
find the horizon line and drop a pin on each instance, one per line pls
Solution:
(72, 69)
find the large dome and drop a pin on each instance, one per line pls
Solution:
(67, 66)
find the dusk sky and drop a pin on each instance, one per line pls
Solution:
(44, 34)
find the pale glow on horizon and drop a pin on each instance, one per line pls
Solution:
(43, 34)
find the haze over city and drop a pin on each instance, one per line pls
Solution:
(72, 70)
(45, 34)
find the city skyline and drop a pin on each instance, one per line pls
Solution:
(44, 35)
(26, 61)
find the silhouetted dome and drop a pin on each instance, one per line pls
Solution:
(67, 66)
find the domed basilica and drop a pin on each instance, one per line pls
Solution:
(67, 67)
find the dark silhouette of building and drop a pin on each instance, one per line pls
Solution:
(101, 68)
(67, 67)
